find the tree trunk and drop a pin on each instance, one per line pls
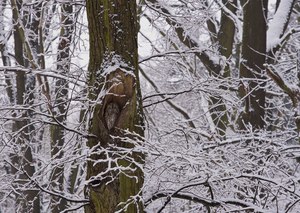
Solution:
(114, 172)
(252, 73)
(226, 32)
(23, 165)
(61, 94)
(4, 55)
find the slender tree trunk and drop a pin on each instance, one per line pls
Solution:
(61, 93)
(28, 199)
(114, 172)
(252, 73)
(226, 32)
(4, 54)
(225, 39)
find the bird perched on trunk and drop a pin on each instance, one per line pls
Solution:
(111, 115)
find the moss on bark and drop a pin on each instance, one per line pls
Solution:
(113, 68)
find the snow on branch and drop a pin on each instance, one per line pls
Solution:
(209, 61)
(186, 195)
(291, 91)
(278, 25)
(233, 17)
(47, 73)
(55, 193)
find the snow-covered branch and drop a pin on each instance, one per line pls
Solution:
(278, 25)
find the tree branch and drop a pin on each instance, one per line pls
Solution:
(47, 73)
(292, 93)
(172, 104)
(188, 41)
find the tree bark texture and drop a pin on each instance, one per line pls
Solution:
(61, 101)
(226, 32)
(113, 175)
(252, 71)
(27, 200)
(225, 40)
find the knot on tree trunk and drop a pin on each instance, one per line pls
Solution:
(120, 86)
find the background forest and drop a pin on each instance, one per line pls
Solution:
(210, 116)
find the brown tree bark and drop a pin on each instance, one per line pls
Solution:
(113, 174)
(61, 101)
(23, 164)
(252, 73)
